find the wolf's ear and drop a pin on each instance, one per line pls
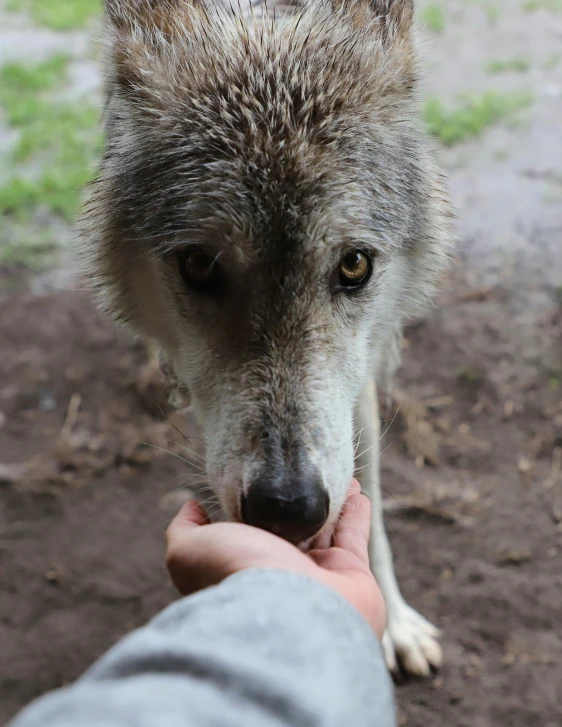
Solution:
(393, 18)
(148, 16)
(141, 35)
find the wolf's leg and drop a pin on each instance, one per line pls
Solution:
(409, 637)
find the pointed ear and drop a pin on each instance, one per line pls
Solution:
(394, 18)
(141, 35)
(148, 16)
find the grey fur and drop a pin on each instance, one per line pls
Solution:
(277, 145)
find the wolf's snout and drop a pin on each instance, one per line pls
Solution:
(295, 515)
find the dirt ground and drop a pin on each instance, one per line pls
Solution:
(471, 476)
(472, 471)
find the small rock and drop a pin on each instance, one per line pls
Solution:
(54, 574)
(10, 473)
(47, 402)
(514, 557)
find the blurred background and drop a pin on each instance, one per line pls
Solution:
(473, 465)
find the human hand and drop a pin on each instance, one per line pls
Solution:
(201, 554)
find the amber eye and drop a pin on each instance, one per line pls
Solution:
(199, 270)
(355, 269)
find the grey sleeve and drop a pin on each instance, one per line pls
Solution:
(264, 648)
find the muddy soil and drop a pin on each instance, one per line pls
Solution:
(471, 477)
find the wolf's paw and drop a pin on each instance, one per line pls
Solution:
(411, 641)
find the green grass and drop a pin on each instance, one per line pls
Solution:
(530, 6)
(492, 12)
(59, 14)
(53, 156)
(434, 18)
(65, 126)
(472, 115)
(518, 64)
(56, 190)
(17, 77)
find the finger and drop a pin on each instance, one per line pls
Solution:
(182, 552)
(323, 541)
(353, 530)
(354, 488)
(191, 515)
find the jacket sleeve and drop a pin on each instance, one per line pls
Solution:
(264, 648)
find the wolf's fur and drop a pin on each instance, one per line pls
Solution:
(276, 145)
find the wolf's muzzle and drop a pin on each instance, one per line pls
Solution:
(292, 509)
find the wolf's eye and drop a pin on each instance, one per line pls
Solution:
(355, 269)
(199, 269)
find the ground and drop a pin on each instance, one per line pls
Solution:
(472, 472)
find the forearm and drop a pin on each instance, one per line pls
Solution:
(263, 648)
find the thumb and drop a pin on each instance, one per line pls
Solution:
(353, 529)
(191, 515)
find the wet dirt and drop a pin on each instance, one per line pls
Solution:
(472, 480)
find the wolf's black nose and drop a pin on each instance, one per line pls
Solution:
(293, 514)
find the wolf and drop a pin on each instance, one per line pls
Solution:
(268, 215)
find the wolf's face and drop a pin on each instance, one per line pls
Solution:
(267, 213)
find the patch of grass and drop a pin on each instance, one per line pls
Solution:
(56, 190)
(501, 155)
(517, 63)
(42, 120)
(19, 78)
(530, 6)
(59, 14)
(66, 126)
(54, 155)
(434, 18)
(492, 12)
(472, 115)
